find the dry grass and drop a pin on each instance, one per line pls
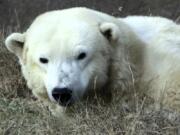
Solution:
(21, 114)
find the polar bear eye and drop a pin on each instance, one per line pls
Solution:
(81, 56)
(43, 60)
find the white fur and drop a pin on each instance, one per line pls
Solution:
(162, 38)
(140, 51)
(147, 27)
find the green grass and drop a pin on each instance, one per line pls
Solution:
(21, 113)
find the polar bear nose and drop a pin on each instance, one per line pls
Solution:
(62, 95)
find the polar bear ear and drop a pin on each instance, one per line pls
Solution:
(15, 43)
(110, 31)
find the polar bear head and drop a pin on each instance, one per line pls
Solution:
(64, 54)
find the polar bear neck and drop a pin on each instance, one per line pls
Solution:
(126, 67)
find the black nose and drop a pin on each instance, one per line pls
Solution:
(62, 95)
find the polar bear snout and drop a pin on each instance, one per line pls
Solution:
(63, 96)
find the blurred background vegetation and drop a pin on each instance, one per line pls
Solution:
(20, 13)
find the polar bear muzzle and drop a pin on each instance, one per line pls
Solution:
(63, 96)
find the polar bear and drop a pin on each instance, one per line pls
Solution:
(161, 57)
(66, 54)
